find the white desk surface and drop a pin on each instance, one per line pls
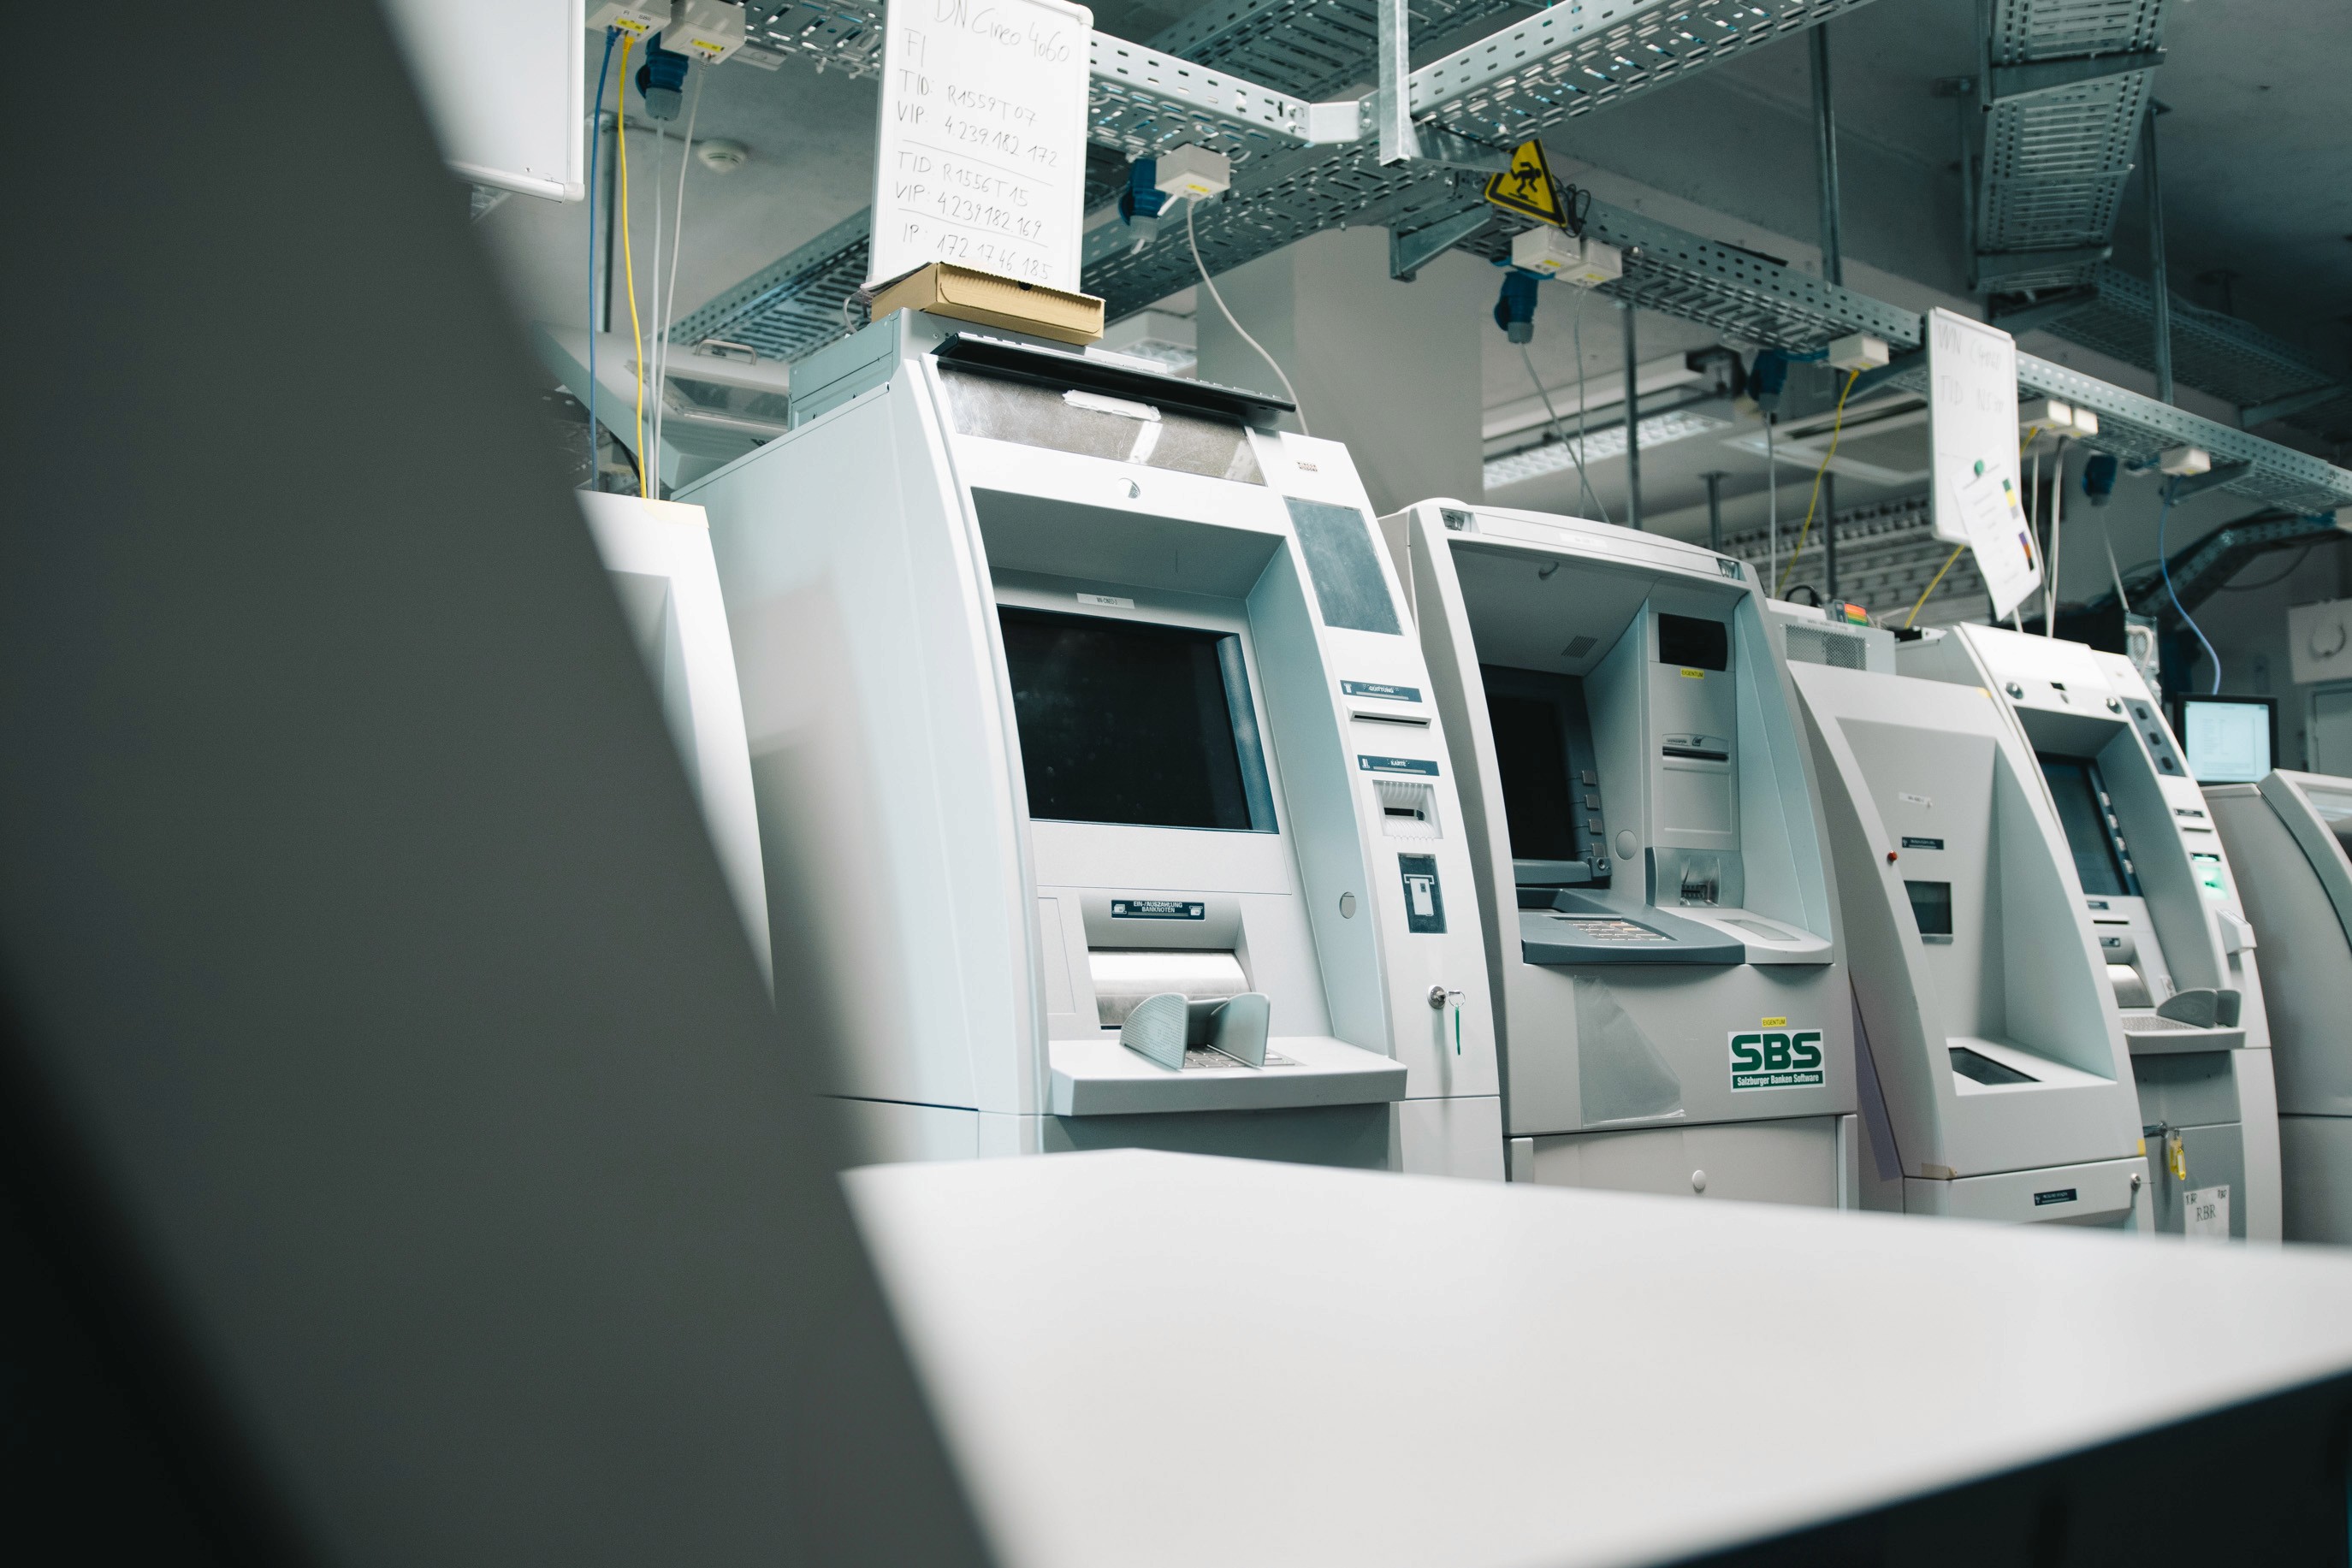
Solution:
(1157, 1359)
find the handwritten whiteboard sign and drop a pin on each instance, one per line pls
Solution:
(1972, 428)
(981, 156)
(501, 79)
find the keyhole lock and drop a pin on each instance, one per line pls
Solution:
(1439, 996)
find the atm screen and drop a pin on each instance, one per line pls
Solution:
(2335, 810)
(2075, 786)
(1135, 723)
(1698, 645)
(1541, 743)
(1531, 753)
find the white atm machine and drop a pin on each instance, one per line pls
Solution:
(657, 555)
(2156, 883)
(2286, 838)
(1086, 695)
(1652, 867)
(1995, 1083)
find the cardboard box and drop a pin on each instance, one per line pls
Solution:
(993, 302)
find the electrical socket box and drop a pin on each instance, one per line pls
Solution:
(709, 30)
(1564, 258)
(2056, 418)
(1857, 351)
(2179, 461)
(1192, 171)
(635, 17)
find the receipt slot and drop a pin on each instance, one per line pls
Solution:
(1995, 1083)
(2157, 887)
(1660, 934)
(1084, 697)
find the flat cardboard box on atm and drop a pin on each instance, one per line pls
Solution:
(993, 302)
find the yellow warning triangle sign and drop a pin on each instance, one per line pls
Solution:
(1528, 189)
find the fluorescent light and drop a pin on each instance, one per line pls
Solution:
(1551, 457)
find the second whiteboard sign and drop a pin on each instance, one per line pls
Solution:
(1972, 425)
(981, 156)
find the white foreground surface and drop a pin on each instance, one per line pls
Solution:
(1145, 1359)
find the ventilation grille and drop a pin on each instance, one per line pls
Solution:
(1812, 645)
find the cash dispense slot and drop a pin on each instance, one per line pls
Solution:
(1181, 1009)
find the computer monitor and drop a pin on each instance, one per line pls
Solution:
(2227, 740)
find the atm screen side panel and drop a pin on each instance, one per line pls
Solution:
(1317, 800)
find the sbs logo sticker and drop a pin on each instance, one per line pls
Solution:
(1776, 1059)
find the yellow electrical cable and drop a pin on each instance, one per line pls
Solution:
(2031, 434)
(1836, 425)
(636, 333)
(1931, 584)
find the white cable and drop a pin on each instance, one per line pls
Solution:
(651, 350)
(2112, 570)
(1211, 285)
(678, 252)
(1575, 451)
(2057, 539)
(2033, 523)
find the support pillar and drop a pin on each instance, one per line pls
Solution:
(1715, 509)
(1828, 534)
(1392, 368)
(2152, 187)
(1632, 422)
(1826, 157)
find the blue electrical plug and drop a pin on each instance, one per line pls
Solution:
(1515, 307)
(1766, 378)
(661, 80)
(2099, 477)
(1143, 198)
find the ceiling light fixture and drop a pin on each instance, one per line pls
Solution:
(1551, 457)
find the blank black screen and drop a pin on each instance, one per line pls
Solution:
(1931, 906)
(1123, 721)
(1531, 753)
(1689, 641)
(2074, 785)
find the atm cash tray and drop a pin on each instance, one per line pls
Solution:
(2147, 1034)
(1103, 1078)
(1582, 929)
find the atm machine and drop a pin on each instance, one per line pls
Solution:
(1084, 695)
(1662, 939)
(2156, 883)
(2287, 837)
(658, 557)
(1993, 1075)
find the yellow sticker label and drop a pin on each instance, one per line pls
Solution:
(1694, 674)
(1772, 1023)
